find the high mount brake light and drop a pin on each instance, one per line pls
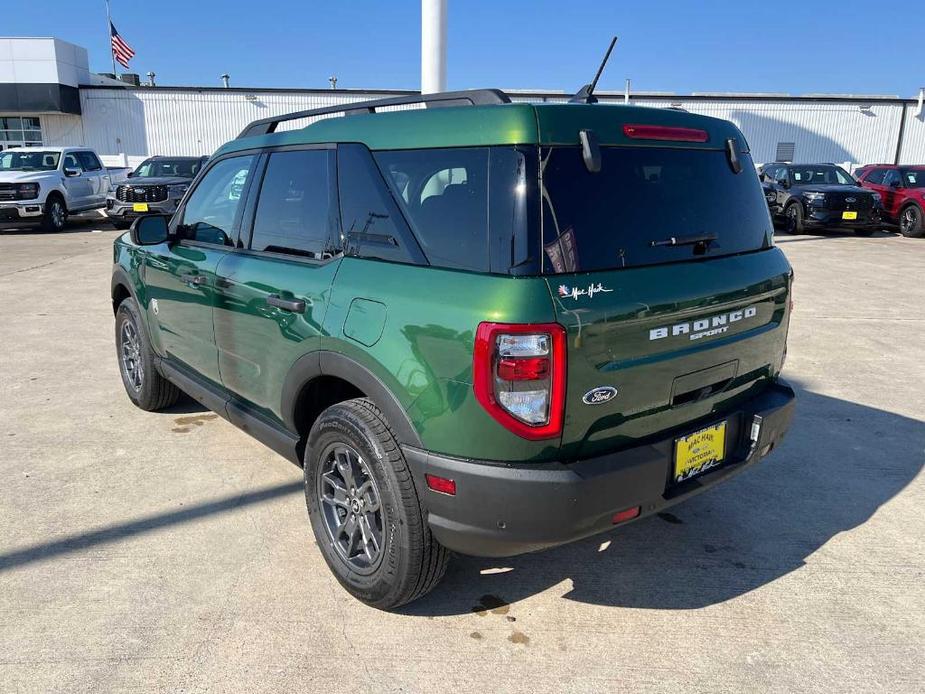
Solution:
(662, 132)
(519, 376)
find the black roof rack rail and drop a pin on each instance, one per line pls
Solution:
(470, 97)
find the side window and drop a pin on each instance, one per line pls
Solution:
(294, 210)
(891, 178)
(444, 193)
(211, 210)
(70, 162)
(88, 161)
(372, 224)
(781, 174)
(875, 176)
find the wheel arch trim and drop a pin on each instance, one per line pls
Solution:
(326, 363)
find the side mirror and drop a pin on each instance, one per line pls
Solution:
(784, 183)
(896, 184)
(70, 173)
(130, 174)
(150, 230)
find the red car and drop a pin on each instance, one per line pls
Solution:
(902, 189)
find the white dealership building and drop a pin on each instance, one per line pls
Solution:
(48, 96)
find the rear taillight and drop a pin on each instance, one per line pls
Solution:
(662, 132)
(519, 376)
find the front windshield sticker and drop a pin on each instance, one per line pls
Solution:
(575, 292)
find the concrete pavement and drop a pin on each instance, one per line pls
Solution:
(171, 552)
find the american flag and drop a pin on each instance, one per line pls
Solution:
(121, 51)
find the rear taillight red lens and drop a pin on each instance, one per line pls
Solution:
(519, 376)
(662, 132)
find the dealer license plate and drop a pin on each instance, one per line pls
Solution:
(143, 207)
(849, 215)
(696, 453)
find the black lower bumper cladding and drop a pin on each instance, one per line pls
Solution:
(504, 509)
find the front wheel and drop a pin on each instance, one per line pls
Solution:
(365, 511)
(55, 217)
(793, 217)
(910, 222)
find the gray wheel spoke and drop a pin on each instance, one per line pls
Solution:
(349, 501)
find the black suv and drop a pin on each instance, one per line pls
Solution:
(806, 196)
(155, 187)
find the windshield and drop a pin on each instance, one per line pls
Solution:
(177, 168)
(820, 176)
(914, 178)
(646, 195)
(29, 161)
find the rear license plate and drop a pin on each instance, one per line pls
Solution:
(143, 207)
(849, 215)
(696, 453)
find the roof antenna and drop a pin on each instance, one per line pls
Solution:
(585, 95)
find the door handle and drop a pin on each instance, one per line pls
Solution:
(292, 305)
(196, 280)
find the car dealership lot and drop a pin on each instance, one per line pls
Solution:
(171, 552)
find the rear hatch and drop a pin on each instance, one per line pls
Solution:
(664, 329)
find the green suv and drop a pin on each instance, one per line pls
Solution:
(487, 327)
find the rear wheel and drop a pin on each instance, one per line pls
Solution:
(910, 222)
(364, 509)
(793, 218)
(143, 384)
(55, 218)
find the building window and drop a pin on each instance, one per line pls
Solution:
(16, 131)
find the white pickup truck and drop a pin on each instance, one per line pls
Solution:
(43, 185)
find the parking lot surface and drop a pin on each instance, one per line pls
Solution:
(172, 552)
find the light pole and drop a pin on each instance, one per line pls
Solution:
(433, 46)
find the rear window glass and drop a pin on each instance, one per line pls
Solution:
(609, 220)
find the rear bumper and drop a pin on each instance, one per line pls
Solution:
(505, 509)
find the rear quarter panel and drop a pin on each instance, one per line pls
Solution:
(424, 350)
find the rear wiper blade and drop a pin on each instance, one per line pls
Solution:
(685, 240)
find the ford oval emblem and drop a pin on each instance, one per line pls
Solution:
(599, 395)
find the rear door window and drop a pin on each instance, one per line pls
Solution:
(644, 196)
(876, 176)
(372, 224)
(295, 214)
(88, 161)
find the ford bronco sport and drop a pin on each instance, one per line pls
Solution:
(489, 327)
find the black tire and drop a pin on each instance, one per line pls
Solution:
(55, 218)
(793, 218)
(145, 386)
(408, 561)
(911, 222)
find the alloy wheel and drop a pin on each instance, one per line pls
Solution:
(350, 507)
(132, 365)
(909, 219)
(57, 214)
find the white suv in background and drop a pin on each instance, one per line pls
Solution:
(44, 185)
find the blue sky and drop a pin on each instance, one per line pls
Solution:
(848, 46)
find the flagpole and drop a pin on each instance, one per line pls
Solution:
(109, 32)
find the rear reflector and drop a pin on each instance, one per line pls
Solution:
(661, 132)
(628, 514)
(441, 484)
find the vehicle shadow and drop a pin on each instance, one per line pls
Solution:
(839, 464)
(834, 234)
(78, 224)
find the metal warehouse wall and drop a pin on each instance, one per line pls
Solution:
(138, 123)
(127, 125)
